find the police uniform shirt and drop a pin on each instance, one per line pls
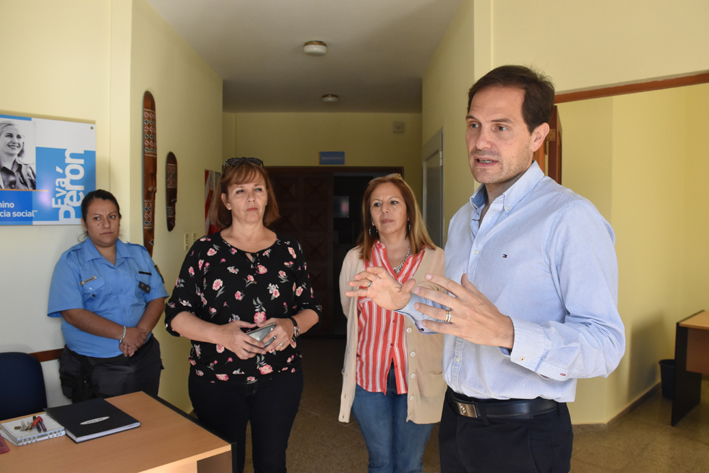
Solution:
(83, 279)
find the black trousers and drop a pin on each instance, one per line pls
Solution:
(117, 375)
(270, 406)
(538, 444)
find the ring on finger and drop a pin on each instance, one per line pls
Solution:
(448, 317)
(280, 344)
(368, 285)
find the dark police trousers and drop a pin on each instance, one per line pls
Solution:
(87, 377)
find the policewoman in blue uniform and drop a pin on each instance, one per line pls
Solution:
(110, 296)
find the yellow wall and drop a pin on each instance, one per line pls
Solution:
(91, 60)
(696, 204)
(605, 42)
(588, 46)
(188, 98)
(614, 154)
(295, 139)
(445, 94)
(60, 68)
(228, 135)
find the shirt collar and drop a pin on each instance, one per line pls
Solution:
(515, 193)
(13, 168)
(92, 253)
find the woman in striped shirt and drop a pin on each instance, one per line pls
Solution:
(392, 373)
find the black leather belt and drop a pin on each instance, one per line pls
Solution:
(496, 408)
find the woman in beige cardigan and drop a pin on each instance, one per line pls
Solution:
(392, 374)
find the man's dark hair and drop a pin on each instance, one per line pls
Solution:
(538, 89)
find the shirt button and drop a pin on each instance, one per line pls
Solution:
(475, 252)
(507, 208)
(413, 353)
(408, 330)
(411, 398)
(457, 359)
(413, 375)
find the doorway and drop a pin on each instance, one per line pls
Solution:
(321, 207)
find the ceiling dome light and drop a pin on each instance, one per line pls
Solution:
(330, 98)
(315, 48)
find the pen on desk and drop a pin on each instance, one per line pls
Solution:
(41, 424)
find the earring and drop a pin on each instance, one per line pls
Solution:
(409, 229)
(372, 234)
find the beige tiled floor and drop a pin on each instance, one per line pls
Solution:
(643, 441)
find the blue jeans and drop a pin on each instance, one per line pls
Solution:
(394, 445)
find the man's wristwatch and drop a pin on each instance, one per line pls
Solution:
(296, 329)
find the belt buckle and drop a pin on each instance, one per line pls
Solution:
(468, 410)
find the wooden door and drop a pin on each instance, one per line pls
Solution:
(549, 156)
(305, 202)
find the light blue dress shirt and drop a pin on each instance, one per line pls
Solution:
(545, 257)
(83, 279)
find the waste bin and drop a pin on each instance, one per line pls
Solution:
(667, 375)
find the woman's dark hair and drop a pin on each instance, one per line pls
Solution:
(241, 171)
(417, 232)
(538, 89)
(97, 194)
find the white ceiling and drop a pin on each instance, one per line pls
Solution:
(377, 53)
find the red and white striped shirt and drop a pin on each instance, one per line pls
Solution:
(381, 332)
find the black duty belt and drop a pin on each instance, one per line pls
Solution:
(496, 408)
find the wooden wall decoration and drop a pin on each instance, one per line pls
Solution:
(171, 190)
(150, 165)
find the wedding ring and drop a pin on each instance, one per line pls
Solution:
(280, 344)
(368, 285)
(448, 317)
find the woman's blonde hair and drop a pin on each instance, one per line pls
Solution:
(416, 231)
(241, 171)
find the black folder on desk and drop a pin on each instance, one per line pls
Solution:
(91, 419)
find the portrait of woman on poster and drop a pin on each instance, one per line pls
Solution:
(15, 173)
(392, 377)
(242, 278)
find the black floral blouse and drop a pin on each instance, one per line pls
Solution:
(219, 283)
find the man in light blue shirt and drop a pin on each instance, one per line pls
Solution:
(532, 281)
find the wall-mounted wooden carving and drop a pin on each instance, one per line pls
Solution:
(171, 190)
(150, 169)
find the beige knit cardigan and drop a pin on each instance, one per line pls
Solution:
(426, 387)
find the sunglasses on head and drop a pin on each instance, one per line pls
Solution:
(237, 161)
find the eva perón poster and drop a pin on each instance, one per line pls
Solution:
(46, 168)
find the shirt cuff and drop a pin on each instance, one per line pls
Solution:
(416, 316)
(530, 345)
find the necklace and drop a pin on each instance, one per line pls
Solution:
(398, 268)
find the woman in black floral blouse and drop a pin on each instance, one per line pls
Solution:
(232, 281)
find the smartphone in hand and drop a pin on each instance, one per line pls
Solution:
(261, 333)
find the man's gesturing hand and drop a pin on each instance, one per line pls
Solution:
(473, 316)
